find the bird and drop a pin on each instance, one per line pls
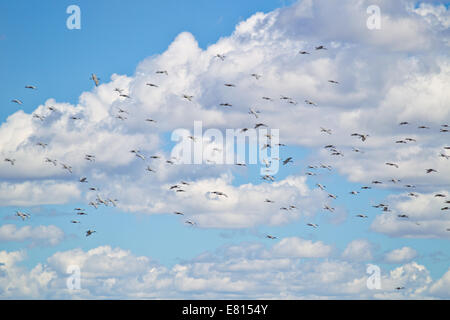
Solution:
(178, 213)
(17, 101)
(303, 52)
(312, 225)
(137, 153)
(271, 237)
(325, 130)
(256, 76)
(431, 170)
(269, 201)
(259, 125)
(229, 85)
(41, 144)
(219, 193)
(321, 187)
(149, 169)
(90, 232)
(162, 72)
(268, 177)
(152, 85)
(354, 192)
(48, 160)
(333, 81)
(254, 112)
(89, 157)
(112, 201)
(402, 216)
(309, 102)
(67, 167)
(363, 137)
(288, 160)
(30, 87)
(423, 127)
(220, 56)
(326, 207)
(150, 120)
(190, 222)
(22, 215)
(226, 105)
(95, 79)
(404, 123)
(392, 164)
(92, 203)
(321, 48)
(83, 180)
(188, 97)
(74, 221)
(267, 98)
(12, 161)
(38, 116)
(361, 216)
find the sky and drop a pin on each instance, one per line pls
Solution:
(141, 249)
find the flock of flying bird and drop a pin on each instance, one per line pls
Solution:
(181, 187)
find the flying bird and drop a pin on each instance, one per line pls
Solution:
(90, 232)
(95, 79)
(22, 215)
(12, 161)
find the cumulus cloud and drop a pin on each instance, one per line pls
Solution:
(401, 255)
(299, 248)
(358, 250)
(399, 73)
(425, 217)
(244, 271)
(40, 235)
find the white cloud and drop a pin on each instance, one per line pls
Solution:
(401, 255)
(256, 272)
(358, 250)
(425, 219)
(40, 235)
(300, 248)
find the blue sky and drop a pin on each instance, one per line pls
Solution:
(115, 37)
